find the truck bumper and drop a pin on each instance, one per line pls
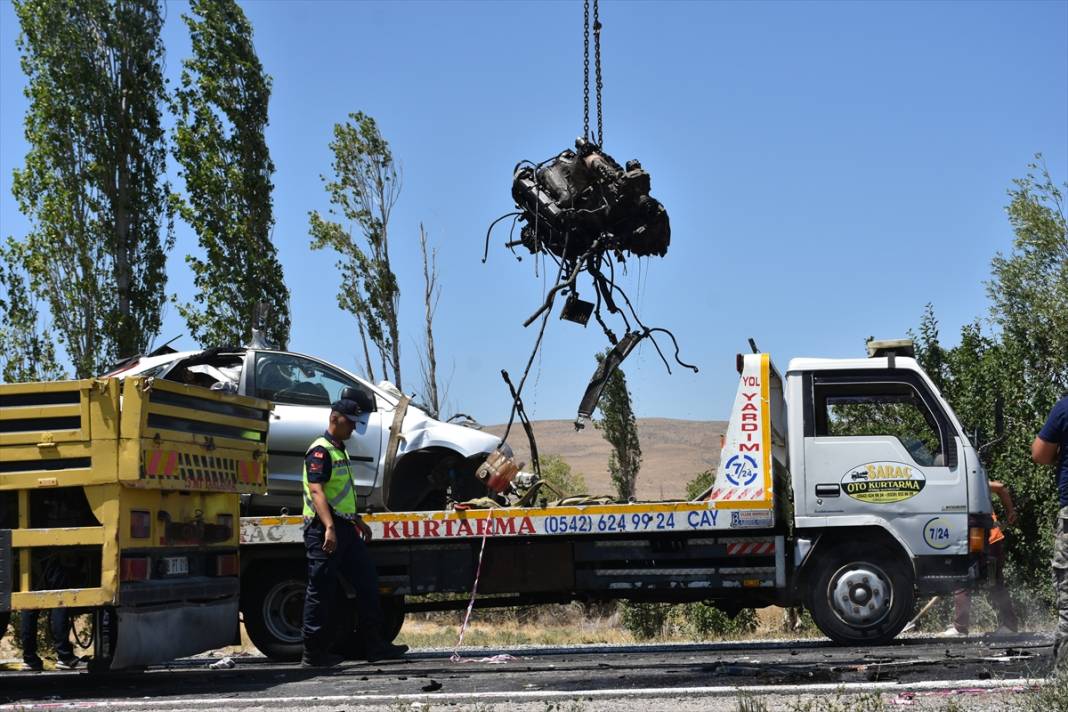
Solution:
(945, 574)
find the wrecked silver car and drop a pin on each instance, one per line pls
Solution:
(397, 448)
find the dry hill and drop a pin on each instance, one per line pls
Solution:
(673, 451)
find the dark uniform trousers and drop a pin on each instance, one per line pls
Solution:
(53, 575)
(59, 619)
(350, 560)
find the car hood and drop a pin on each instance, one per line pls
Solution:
(420, 431)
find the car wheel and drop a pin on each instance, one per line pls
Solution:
(423, 481)
(861, 594)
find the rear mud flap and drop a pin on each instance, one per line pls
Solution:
(153, 635)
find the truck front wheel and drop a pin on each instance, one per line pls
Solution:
(861, 594)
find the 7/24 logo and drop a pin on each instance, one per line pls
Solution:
(936, 533)
(741, 470)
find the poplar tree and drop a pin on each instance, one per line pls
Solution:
(363, 191)
(619, 427)
(27, 353)
(219, 143)
(91, 184)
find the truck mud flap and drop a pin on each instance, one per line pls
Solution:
(154, 635)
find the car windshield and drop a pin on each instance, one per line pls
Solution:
(297, 380)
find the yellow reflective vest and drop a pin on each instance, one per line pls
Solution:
(339, 490)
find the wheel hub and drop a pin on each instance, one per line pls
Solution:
(861, 594)
(282, 609)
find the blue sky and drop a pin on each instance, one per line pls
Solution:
(828, 168)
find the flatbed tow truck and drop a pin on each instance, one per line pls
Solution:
(847, 487)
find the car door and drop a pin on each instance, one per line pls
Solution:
(877, 444)
(302, 390)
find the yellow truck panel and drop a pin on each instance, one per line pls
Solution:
(102, 451)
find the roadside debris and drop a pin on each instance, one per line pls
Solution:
(222, 664)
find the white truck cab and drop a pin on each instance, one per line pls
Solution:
(887, 489)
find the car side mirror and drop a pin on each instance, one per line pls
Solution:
(364, 399)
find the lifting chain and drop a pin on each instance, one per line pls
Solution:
(599, 138)
(597, 65)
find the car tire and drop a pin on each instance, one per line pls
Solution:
(861, 594)
(413, 490)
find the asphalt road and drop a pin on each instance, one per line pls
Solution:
(589, 674)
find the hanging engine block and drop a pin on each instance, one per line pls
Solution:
(580, 196)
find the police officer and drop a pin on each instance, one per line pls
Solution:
(1051, 448)
(334, 538)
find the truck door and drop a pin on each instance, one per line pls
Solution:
(302, 390)
(877, 443)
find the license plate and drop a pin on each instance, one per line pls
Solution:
(175, 565)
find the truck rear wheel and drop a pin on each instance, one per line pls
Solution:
(861, 594)
(273, 607)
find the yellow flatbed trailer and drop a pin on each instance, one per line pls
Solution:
(731, 545)
(120, 498)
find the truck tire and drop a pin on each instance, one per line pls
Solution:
(272, 605)
(861, 594)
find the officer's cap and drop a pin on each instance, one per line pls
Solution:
(348, 408)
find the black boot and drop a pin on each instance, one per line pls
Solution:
(319, 659)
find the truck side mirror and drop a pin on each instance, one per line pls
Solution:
(999, 417)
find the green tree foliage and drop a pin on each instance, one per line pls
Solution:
(1027, 367)
(1029, 288)
(700, 483)
(91, 185)
(619, 427)
(1021, 365)
(706, 621)
(644, 620)
(557, 472)
(219, 144)
(363, 191)
(26, 353)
